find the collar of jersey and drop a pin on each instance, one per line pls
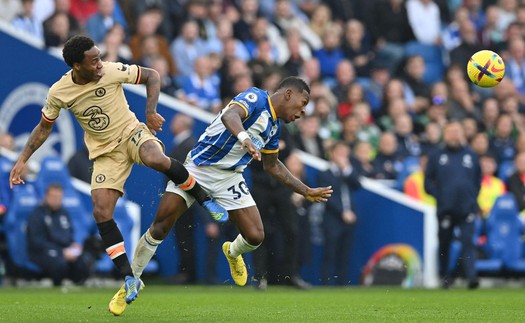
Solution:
(272, 110)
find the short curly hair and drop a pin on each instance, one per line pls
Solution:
(295, 82)
(74, 49)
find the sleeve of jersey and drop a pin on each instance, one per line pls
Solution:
(51, 109)
(247, 100)
(124, 73)
(272, 146)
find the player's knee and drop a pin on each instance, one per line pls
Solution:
(101, 214)
(255, 237)
(157, 161)
(158, 231)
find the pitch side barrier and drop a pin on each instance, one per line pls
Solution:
(386, 216)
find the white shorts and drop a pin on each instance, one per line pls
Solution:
(227, 187)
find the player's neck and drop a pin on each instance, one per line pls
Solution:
(77, 79)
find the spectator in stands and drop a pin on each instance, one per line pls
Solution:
(344, 77)
(169, 15)
(520, 143)
(475, 12)
(321, 18)
(167, 83)
(224, 33)
(103, 20)
(461, 103)
(80, 166)
(453, 177)
(414, 185)
(311, 70)
(387, 162)
(489, 115)
(394, 89)
(10, 8)
(395, 108)
(260, 30)
(491, 186)
(354, 95)
(308, 138)
(413, 77)
(368, 131)
(63, 6)
(263, 61)
(408, 142)
(50, 241)
(281, 225)
(26, 23)
(424, 18)
(58, 32)
(329, 125)
(379, 77)
(197, 10)
(362, 159)
(516, 64)
(431, 138)
(502, 144)
(146, 26)
(516, 182)
(113, 49)
(188, 47)
(507, 12)
(451, 36)
(248, 15)
(356, 47)
(201, 87)
(339, 217)
(296, 53)
(390, 30)
(284, 19)
(83, 9)
(480, 144)
(470, 128)
(330, 54)
(469, 44)
(491, 34)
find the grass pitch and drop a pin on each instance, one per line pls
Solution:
(277, 304)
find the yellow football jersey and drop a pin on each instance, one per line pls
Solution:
(100, 107)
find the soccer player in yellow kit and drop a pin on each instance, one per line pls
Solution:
(92, 91)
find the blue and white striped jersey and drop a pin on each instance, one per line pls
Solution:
(218, 147)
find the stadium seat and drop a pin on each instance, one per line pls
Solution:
(504, 230)
(5, 191)
(52, 170)
(433, 58)
(83, 223)
(24, 202)
(505, 170)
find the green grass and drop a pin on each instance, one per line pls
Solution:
(277, 304)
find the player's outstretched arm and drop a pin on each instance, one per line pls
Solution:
(36, 139)
(276, 168)
(151, 78)
(232, 120)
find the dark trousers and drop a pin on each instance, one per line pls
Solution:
(57, 268)
(338, 239)
(277, 256)
(466, 227)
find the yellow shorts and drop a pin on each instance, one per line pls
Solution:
(111, 170)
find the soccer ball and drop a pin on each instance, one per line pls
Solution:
(486, 68)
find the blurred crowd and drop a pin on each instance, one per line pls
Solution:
(385, 75)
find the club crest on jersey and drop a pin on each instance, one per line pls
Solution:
(251, 97)
(467, 161)
(100, 92)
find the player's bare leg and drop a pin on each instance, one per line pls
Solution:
(171, 208)
(249, 223)
(152, 155)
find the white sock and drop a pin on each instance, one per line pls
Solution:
(240, 246)
(146, 248)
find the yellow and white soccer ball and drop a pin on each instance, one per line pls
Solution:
(486, 68)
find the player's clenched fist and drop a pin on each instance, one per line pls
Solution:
(154, 122)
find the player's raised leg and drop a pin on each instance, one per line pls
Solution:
(152, 156)
(248, 221)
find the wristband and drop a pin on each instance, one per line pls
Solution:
(242, 136)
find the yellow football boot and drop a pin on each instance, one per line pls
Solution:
(237, 266)
(118, 304)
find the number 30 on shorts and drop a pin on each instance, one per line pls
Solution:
(238, 190)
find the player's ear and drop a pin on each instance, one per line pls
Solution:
(76, 66)
(288, 94)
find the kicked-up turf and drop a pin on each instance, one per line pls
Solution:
(277, 304)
